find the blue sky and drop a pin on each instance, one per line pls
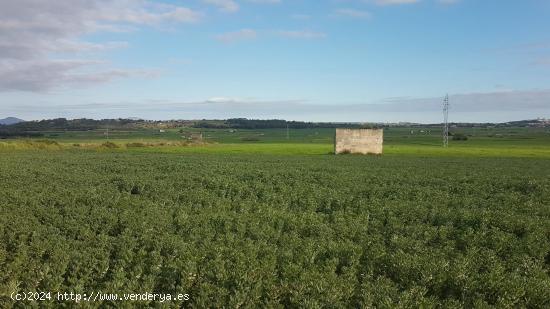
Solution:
(333, 60)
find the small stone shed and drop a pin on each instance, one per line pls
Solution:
(361, 141)
(192, 136)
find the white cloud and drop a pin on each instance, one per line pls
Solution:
(250, 34)
(353, 13)
(224, 100)
(31, 31)
(37, 76)
(240, 35)
(469, 107)
(229, 6)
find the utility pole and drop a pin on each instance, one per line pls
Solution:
(446, 121)
(287, 132)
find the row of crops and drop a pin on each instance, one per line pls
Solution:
(277, 231)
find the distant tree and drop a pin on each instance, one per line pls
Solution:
(459, 137)
(243, 123)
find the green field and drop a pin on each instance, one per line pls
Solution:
(277, 222)
(492, 142)
(482, 142)
(394, 135)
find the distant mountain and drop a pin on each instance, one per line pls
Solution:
(10, 120)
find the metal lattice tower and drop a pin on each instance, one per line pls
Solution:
(446, 121)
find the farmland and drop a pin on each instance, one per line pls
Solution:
(279, 222)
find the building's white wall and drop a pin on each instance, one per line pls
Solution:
(363, 141)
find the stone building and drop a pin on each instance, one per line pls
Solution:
(361, 141)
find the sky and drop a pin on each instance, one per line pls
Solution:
(310, 60)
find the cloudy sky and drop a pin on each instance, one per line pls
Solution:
(315, 60)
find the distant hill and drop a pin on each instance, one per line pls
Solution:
(10, 120)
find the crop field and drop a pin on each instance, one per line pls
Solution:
(422, 136)
(260, 225)
(262, 218)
